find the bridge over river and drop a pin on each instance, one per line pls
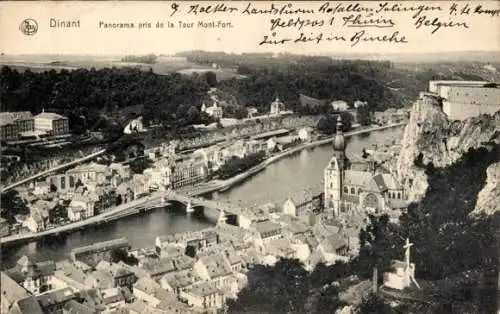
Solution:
(187, 196)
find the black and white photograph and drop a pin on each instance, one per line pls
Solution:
(336, 157)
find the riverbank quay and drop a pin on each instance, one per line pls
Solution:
(150, 202)
(154, 200)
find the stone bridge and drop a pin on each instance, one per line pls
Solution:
(210, 208)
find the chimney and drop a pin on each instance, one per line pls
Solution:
(375, 280)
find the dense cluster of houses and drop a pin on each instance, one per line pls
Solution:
(191, 272)
(89, 189)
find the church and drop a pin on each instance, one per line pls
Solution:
(347, 188)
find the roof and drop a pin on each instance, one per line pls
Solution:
(297, 227)
(11, 291)
(73, 307)
(173, 306)
(151, 287)
(266, 226)
(26, 269)
(158, 266)
(9, 117)
(105, 245)
(217, 265)
(44, 205)
(380, 183)
(90, 167)
(29, 305)
(55, 297)
(204, 289)
(279, 247)
(232, 257)
(391, 182)
(50, 116)
(112, 295)
(332, 243)
(357, 178)
(180, 279)
(306, 101)
(69, 270)
(103, 279)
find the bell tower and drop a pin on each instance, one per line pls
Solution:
(334, 172)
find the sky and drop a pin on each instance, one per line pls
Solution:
(477, 32)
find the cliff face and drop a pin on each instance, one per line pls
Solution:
(431, 139)
(487, 199)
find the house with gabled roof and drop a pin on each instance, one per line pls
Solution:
(214, 268)
(34, 277)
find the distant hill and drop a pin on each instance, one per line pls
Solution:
(451, 56)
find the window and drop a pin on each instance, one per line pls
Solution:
(346, 189)
(399, 195)
(353, 191)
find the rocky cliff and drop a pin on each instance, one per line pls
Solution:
(430, 139)
(487, 199)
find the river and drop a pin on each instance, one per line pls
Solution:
(286, 177)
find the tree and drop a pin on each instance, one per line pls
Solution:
(53, 188)
(328, 123)
(211, 78)
(373, 304)
(12, 205)
(193, 115)
(120, 255)
(364, 115)
(282, 288)
(379, 241)
(140, 164)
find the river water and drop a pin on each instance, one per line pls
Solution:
(286, 177)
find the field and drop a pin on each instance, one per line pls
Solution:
(164, 64)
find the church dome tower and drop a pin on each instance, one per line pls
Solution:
(334, 172)
(339, 141)
(339, 144)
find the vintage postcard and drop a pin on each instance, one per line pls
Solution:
(249, 156)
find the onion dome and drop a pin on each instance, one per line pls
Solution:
(339, 141)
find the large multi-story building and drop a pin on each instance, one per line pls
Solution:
(346, 189)
(14, 123)
(465, 99)
(8, 130)
(51, 123)
(188, 172)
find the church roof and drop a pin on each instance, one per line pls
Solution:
(357, 178)
(369, 182)
(379, 181)
(391, 182)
